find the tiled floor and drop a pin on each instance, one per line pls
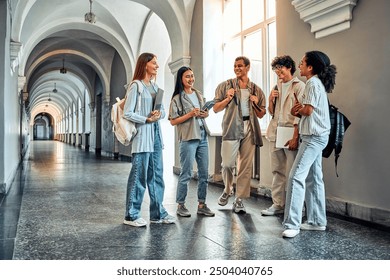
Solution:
(72, 207)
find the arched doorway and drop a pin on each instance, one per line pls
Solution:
(43, 128)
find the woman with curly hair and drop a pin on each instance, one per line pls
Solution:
(305, 183)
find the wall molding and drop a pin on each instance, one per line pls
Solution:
(15, 48)
(326, 17)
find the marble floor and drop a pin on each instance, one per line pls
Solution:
(68, 204)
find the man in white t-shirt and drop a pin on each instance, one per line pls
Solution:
(243, 102)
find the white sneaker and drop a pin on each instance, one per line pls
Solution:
(238, 206)
(273, 210)
(306, 226)
(167, 220)
(290, 233)
(136, 223)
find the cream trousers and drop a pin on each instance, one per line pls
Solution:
(281, 163)
(238, 153)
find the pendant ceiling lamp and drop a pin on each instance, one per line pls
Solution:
(63, 69)
(55, 89)
(90, 17)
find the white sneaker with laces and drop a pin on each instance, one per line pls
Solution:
(136, 223)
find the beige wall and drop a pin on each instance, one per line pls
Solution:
(361, 55)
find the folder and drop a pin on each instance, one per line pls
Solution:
(159, 100)
(283, 134)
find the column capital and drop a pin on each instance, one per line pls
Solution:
(175, 65)
(15, 48)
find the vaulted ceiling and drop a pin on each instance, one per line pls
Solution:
(53, 35)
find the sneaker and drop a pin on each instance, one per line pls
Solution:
(307, 226)
(167, 220)
(204, 210)
(273, 210)
(238, 206)
(290, 233)
(136, 223)
(183, 211)
(224, 198)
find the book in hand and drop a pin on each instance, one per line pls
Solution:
(208, 105)
(159, 100)
(283, 134)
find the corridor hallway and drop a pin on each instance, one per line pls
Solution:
(72, 207)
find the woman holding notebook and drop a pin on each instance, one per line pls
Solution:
(146, 149)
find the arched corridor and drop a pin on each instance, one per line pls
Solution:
(63, 174)
(72, 207)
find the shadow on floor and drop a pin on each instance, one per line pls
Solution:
(69, 205)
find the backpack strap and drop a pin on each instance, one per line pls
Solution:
(234, 96)
(274, 103)
(137, 84)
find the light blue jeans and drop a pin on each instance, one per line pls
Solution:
(305, 184)
(146, 171)
(189, 151)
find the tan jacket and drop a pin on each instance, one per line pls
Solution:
(284, 106)
(232, 123)
(181, 105)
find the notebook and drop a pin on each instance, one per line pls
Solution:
(283, 134)
(159, 100)
(208, 105)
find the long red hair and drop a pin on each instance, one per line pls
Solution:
(140, 68)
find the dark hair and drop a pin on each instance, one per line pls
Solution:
(140, 68)
(245, 59)
(284, 60)
(321, 66)
(179, 82)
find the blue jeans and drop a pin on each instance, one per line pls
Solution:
(189, 151)
(305, 184)
(146, 170)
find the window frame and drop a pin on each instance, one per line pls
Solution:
(263, 27)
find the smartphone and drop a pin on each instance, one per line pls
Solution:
(296, 98)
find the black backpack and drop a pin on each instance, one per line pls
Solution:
(338, 125)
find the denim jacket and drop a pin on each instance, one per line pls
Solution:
(138, 106)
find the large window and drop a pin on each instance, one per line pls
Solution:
(250, 30)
